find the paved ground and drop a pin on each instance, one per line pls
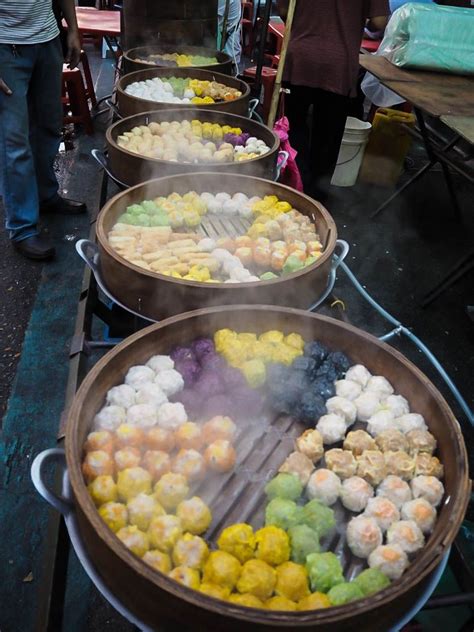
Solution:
(397, 257)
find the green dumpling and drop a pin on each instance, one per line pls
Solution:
(324, 570)
(143, 220)
(128, 218)
(318, 517)
(303, 541)
(268, 276)
(345, 593)
(149, 206)
(159, 219)
(284, 485)
(135, 209)
(371, 581)
(292, 264)
(283, 513)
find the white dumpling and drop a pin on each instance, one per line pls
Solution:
(428, 487)
(380, 422)
(379, 384)
(396, 404)
(358, 373)
(109, 418)
(170, 382)
(367, 404)
(142, 416)
(355, 493)
(160, 363)
(395, 489)
(137, 376)
(332, 428)
(324, 486)
(407, 535)
(206, 245)
(383, 511)
(348, 389)
(123, 395)
(363, 536)
(342, 407)
(411, 421)
(172, 416)
(421, 512)
(389, 559)
(151, 394)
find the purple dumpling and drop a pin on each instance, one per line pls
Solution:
(189, 369)
(214, 362)
(182, 353)
(233, 139)
(232, 378)
(244, 138)
(209, 383)
(191, 400)
(216, 405)
(202, 347)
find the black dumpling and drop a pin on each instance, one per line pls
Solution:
(311, 407)
(339, 360)
(306, 364)
(328, 371)
(315, 350)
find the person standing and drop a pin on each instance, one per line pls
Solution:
(31, 62)
(321, 71)
(232, 36)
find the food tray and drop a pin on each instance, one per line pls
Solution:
(157, 296)
(262, 446)
(128, 105)
(131, 63)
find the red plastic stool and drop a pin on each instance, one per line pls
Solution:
(75, 99)
(90, 92)
(268, 83)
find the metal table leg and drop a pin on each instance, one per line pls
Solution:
(462, 267)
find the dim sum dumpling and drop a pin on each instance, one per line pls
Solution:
(357, 441)
(396, 404)
(421, 512)
(332, 428)
(324, 486)
(383, 511)
(411, 421)
(391, 440)
(390, 559)
(138, 376)
(358, 373)
(379, 422)
(160, 363)
(109, 418)
(341, 462)
(142, 415)
(395, 489)
(122, 395)
(349, 389)
(421, 441)
(342, 407)
(379, 384)
(355, 493)
(363, 535)
(171, 416)
(429, 488)
(170, 382)
(151, 394)
(407, 535)
(367, 405)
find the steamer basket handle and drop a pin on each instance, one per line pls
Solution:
(282, 160)
(253, 104)
(42, 460)
(337, 259)
(101, 158)
(111, 105)
(89, 253)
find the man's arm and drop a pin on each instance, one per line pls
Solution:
(283, 8)
(73, 40)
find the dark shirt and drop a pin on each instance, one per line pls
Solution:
(325, 42)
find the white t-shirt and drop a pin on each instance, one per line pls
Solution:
(27, 22)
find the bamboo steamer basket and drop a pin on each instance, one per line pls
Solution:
(158, 296)
(156, 599)
(131, 168)
(129, 105)
(131, 58)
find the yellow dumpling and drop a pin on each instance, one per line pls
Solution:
(134, 539)
(133, 481)
(273, 335)
(222, 569)
(257, 578)
(191, 551)
(292, 581)
(239, 541)
(213, 590)
(280, 603)
(158, 560)
(295, 340)
(142, 509)
(273, 545)
(170, 490)
(247, 600)
(114, 515)
(222, 337)
(315, 601)
(103, 490)
(187, 576)
(255, 372)
(164, 532)
(194, 514)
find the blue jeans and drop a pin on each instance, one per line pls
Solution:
(30, 132)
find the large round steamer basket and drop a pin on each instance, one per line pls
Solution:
(154, 597)
(129, 105)
(131, 58)
(157, 296)
(131, 168)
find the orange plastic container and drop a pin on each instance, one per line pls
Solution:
(387, 148)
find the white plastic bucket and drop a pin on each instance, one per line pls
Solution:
(351, 153)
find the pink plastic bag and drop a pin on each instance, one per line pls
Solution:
(289, 174)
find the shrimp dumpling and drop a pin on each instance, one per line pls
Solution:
(363, 535)
(342, 407)
(367, 405)
(358, 373)
(348, 389)
(390, 559)
(421, 512)
(383, 511)
(379, 384)
(396, 404)
(380, 422)
(395, 489)
(411, 421)
(407, 535)
(355, 493)
(429, 488)
(324, 486)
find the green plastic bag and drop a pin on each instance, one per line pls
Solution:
(431, 37)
